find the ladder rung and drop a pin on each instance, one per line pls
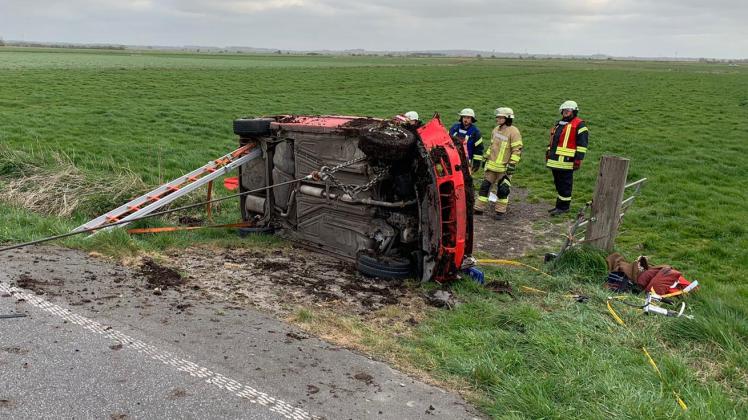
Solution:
(167, 193)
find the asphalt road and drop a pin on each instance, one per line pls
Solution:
(95, 345)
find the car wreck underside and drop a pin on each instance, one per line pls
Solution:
(395, 200)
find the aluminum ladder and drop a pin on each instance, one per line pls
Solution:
(165, 194)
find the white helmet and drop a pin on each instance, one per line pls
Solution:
(411, 115)
(468, 112)
(569, 105)
(504, 112)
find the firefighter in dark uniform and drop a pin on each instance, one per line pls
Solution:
(566, 150)
(468, 133)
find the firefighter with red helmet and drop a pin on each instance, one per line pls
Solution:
(501, 161)
(565, 152)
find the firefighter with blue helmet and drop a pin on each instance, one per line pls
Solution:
(469, 135)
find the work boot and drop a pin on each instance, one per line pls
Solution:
(558, 212)
(477, 211)
(551, 210)
(499, 216)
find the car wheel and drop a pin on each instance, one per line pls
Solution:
(252, 126)
(244, 232)
(385, 268)
(386, 141)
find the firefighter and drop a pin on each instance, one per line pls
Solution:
(469, 135)
(501, 161)
(412, 117)
(409, 119)
(566, 150)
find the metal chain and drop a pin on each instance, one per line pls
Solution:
(326, 173)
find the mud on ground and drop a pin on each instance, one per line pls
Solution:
(279, 281)
(524, 227)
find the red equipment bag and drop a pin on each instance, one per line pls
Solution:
(663, 280)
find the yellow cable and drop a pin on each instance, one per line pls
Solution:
(510, 262)
(619, 320)
(532, 289)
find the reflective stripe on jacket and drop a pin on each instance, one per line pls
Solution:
(568, 143)
(472, 138)
(506, 146)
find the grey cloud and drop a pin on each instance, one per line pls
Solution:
(625, 27)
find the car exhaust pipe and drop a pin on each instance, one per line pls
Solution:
(319, 192)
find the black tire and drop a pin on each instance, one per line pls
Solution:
(252, 126)
(389, 268)
(386, 141)
(244, 232)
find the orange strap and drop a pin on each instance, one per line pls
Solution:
(181, 228)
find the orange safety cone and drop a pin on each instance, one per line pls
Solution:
(231, 184)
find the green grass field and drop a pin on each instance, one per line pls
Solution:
(148, 117)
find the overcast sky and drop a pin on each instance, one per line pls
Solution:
(683, 28)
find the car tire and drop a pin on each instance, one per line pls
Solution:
(244, 232)
(252, 126)
(390, 268)
(386, 141)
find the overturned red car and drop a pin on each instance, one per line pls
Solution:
(394, 199)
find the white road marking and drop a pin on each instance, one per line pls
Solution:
(193, 369)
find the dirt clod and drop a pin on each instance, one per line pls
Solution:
(158, 276)
(39, 287)
(442, 299)
(190, 221)
(177, 393)
(364, 377)
(14, 350)
(501, 287)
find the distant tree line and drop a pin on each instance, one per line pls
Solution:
(60, 45)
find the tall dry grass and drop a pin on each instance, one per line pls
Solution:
(51, 183)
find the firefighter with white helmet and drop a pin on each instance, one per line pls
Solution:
(468, 133)
(565, 152)
(501, 161)
(409, 119)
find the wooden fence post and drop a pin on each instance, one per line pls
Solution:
(606, 203)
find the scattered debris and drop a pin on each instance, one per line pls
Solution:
(296, 336)
(501, 286)
(14, 350)
(311, 389)
(39, 287)
(364, 377)
(190, 221)
(4, 403)
(158, 276)
(116, 346)
(442, 299)
(177, 393)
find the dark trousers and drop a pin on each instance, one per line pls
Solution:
(563, 180)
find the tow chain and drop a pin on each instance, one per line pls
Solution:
(327, 174)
